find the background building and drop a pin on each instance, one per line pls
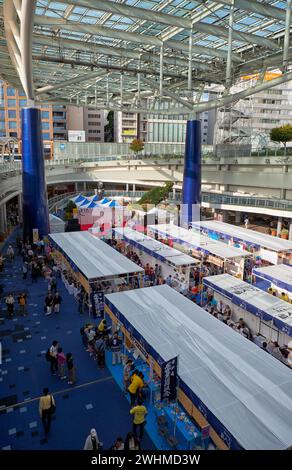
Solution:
(157, 128)
(91, 121)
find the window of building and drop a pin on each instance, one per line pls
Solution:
(22, 103)
(12, 113)
(2, 114)
(21, 93)
(12, 134)
(94, 116)
(94, 139)
(10, 91)
(93, 123)
(46, 125)
(46, 135)
(11, 103)
(94, 131)
(45, 114)
(12, 124)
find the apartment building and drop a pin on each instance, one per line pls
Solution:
(54, 119)
(91, 121)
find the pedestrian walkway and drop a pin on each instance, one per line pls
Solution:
(95, 402)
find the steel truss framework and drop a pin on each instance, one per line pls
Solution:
(115, 54)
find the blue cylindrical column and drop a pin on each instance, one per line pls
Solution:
(191, 191)
(34, 188)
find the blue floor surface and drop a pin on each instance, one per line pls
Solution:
(95, 401)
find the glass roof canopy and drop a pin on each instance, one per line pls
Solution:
(116, 54)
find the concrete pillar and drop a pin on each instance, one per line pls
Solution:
(173, 192)
(217, 187)
(225, 216)
(76, 187)
(290, 230)
(84, 186)
(34, 188)
(134, 187)
(237, 217)
(279, 226)
(191, 192)
(3, 218)
(283, 193)
(127, 187)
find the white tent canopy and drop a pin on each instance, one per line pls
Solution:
(254, 300)
(245, 235)
(197, 241)
(279, 274)
(155, 248)
(246, 394)
(93, 257)
(57, 225)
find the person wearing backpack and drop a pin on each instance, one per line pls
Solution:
(47, 408)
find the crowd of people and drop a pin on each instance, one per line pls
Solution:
(281, 295)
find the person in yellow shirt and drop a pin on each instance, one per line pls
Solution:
(284, 297)
(139, 411)
(46, 409)
(102, 326)
(22, 304)
(135, 386)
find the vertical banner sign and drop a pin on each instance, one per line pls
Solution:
(169, 379)
(35, 235)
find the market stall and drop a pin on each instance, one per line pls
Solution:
(269, 248)
(264, 314)
(220, 374)
(278, 277)
(228, 258)
(95, 265)
(171, 261)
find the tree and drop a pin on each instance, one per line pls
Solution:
(69, 210)
(156, 195)
(137, 145)
(282, 134)
(109, 127)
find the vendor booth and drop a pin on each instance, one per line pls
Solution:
(95, 265)
(269, 248)
(222, 379)
(278, 277)
(227, 258)
(171, 261)
(265, 315)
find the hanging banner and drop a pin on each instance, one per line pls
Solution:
(35, 235)
(169, 380)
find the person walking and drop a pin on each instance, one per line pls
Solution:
(57, 302)
(139, 411)
(34, 272)
(22, 305)
(53, 357)
(61, 358)
(92, 442)
(10, 253)
(10, 305)
(47, 408)
(71, 369)
(24, 270)
(49, 302)
(100, 350)
(116, 347)
(53, 285)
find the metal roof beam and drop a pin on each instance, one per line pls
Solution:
(171, 20)
(126, 36)
(251, 6)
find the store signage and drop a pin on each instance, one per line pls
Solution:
(169, 380)
(76, 136)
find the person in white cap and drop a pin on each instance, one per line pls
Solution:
(289, 358)
(92, 442)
